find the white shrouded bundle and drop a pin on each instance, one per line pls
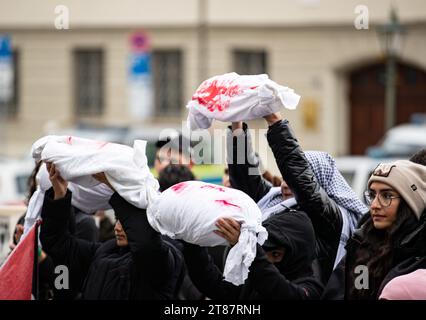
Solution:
(189, 211)
(78, 159)
(88, 200)
(233, 97)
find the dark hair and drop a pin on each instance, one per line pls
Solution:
(31, 182)
(376, 251)
(419, 157)
(21, 222)
(174, 173)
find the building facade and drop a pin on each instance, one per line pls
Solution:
(80, 74)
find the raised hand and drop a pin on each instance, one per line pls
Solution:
(229, 229)
(102, 178)
(237, 125)
(58, 183)
(272, 118)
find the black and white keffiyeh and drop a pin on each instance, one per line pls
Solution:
(332, 181)
(336, 187)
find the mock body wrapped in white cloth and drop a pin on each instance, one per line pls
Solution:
(233, 97)
(189, 210)
(77, 159)
(88, 200)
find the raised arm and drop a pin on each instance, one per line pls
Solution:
(55, 237)
(206, 276)
(297, 172)
(243, 164)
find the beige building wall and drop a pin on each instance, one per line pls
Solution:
(130, 13)
(311, 47)
(315, 62)
(47, 76)
(23, 14)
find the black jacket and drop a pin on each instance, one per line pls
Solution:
(297, 172)
(290, 279)
(148, 268)
(409, 254)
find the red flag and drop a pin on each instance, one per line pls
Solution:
(16, 274)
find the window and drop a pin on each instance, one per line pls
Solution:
(9, 108)
(88, 82)
(168, 79)
(250, 61)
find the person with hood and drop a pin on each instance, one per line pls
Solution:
(138, 264)
(312, 183)
(281, 270)
(397, 197)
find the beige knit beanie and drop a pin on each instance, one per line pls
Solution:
(407, 178)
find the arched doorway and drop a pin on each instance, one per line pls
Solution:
(367, 101)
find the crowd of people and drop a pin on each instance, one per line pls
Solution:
(323, 241)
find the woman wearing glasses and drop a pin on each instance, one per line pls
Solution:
(397, 197)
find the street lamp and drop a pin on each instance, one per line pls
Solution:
(390, 36)
(202, 40)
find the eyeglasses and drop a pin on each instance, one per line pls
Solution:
(385, 198)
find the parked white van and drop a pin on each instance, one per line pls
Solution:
(400, 141)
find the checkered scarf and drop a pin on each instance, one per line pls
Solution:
(334, 184)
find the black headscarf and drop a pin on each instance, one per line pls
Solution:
(292, 230)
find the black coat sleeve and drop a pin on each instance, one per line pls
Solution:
(270, 284)
(336, 286)
(297, 172)
(57, 241)
(151, 255)
(206, 276)
(243, 165)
